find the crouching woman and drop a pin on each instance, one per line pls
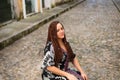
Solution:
(58, 54)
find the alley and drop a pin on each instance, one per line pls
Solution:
(93, 30)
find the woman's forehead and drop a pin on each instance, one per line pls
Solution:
(59, 25)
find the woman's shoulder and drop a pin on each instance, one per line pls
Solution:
(48, 47)
(49, 43)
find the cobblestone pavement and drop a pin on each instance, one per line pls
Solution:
(93, 30)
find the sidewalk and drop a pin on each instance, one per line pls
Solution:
(18, 29)
(117, 4)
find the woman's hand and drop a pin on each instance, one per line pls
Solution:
(84, 76)
(71, 77)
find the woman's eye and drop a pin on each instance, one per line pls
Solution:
(61, 28)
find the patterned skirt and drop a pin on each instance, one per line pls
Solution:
(71, 71)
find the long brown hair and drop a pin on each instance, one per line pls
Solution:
(52, 37)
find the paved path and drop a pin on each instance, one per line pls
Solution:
(93, 30)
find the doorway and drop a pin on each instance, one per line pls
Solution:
(28, 4)
(5, 11)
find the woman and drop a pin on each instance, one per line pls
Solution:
(58, 54)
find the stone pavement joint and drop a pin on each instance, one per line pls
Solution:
(117, 4)
(16, 30)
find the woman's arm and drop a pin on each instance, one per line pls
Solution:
(57, 71)
(77, 65)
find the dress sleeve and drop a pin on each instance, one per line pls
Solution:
(48, 59)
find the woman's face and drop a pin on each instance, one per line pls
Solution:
(60, 31)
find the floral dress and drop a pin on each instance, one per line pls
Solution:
(48, 60)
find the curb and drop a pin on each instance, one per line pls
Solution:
(6, 42)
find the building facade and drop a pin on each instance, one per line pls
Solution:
(20, 9)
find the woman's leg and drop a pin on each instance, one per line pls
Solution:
(75, 73)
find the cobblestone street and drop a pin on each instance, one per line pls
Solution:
(93, 30)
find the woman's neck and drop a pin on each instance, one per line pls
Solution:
(62, 45)
(60, 42)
